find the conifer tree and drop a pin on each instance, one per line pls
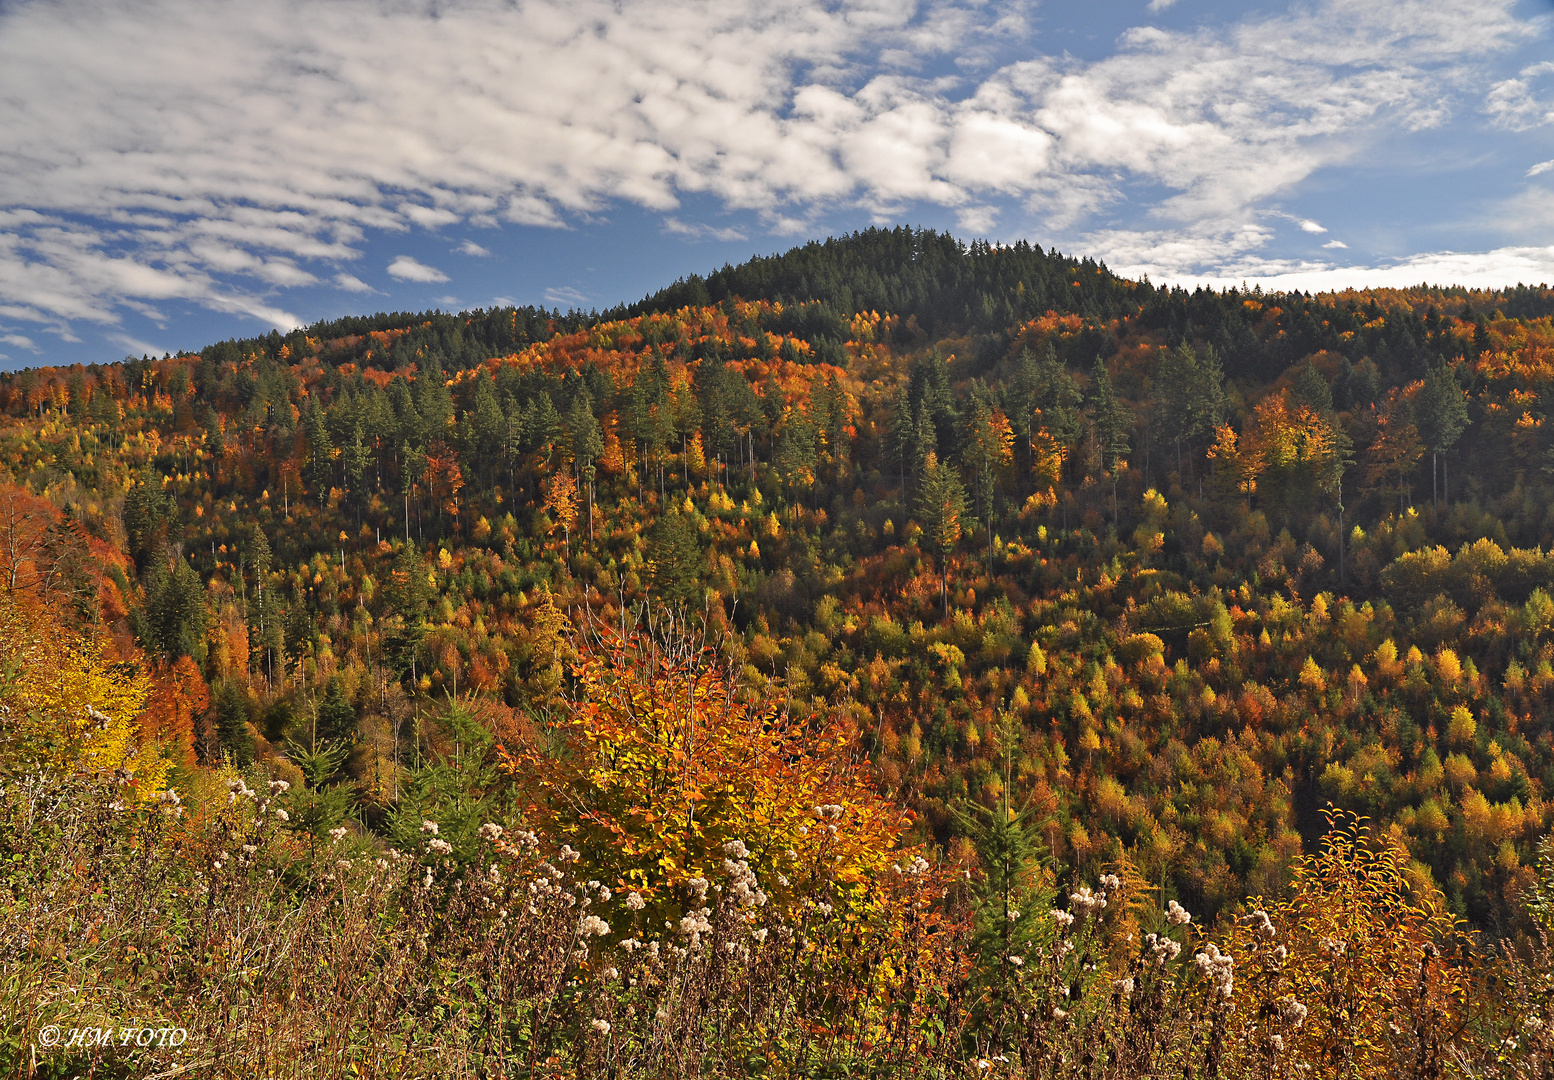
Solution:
(941, 501)
(1112, 421)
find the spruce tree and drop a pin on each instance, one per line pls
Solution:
(941, 501)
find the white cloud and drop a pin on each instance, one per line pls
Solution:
(352, 283)
(469, 247)
(1311, 227)
(407, 269)
(134, 346)
(1160, 5)
(1335, 244)
(1515, 104)
(1540, 168)
(1236, 258)
(701, 231)
(565, 297)
(176, 150)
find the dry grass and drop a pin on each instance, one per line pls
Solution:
(283, 957)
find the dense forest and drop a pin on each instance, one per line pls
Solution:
(1173, 576)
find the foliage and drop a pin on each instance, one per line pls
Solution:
(656, 766)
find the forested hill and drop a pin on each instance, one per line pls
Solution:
(1175, 568)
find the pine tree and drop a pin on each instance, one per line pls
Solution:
(336, 715)
(1011, 897)
(675, 559)
(229, 712)
(941, 501)
(1442, 417)
(1112, 422)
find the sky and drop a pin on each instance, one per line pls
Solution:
(176, 172)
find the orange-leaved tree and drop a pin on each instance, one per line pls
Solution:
(1355, 972)
(656, 766)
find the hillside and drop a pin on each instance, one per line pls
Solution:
(1177, 572)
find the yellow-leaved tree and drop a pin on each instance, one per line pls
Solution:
(657, 766)
(64, 709)
(1356, 973)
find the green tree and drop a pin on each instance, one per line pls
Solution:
(172, 621)
(1191, 392)
(587, 444)
(1011, 900)
(1442, 417)
(229, 714)
(941, 501)
(150, 515)
(321, 804)
(336, 715)
(1112, 422)
(675, 561)
(321, 450)
(356, 456)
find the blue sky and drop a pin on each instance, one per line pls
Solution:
(173, 172)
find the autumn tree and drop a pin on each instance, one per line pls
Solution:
(661, 771)
(1355, 972)
(561, 504)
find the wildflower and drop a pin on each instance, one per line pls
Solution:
(824, 909)
(1017, 961)
(1263, 923)
(1281, 954)
(1063, 918)
(662, 1015)
(735, 849)
(343, 864)
(634, 902)
(760, 938)
(1124, 986)
(568, 854)
(1277, 1042)
(337, 835)
(1216, 967)
(631, 945)
(611, 973)
(283, 815)
(1059, 1014)
(592, 925)
(698, 888)
(441, 847)
(429, 827)
(491, 832)
(919, 864)
(279, 787)
(381, 864)
(1532, 1025)
(249, 849)
(1111, 883)
(601, 1026)
(1085, 901)
(1292, 1012)
(1177, 915)
(984, 1064)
